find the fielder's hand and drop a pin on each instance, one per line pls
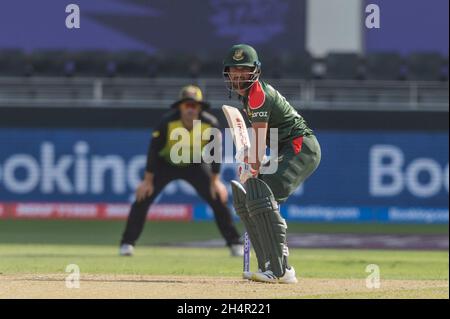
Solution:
(217, 188)
(144, 190)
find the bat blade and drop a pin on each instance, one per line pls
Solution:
(241, 140)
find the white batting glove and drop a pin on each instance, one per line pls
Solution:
(245, 172)
(242, 154)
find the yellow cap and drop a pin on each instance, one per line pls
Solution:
(191, 93)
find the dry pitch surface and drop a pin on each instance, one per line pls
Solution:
(174, 287)
(34, 256)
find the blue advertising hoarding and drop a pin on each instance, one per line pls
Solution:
(363, 176)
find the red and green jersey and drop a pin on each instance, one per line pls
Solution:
(265, 104)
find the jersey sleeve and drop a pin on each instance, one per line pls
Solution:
(259, 104)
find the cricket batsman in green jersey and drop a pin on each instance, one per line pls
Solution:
(257, 200)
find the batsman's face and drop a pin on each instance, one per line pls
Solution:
(240, 78)
(190, 110)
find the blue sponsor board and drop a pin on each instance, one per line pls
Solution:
(316, 213)
(363, 176)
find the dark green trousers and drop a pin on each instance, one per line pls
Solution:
(297, 160)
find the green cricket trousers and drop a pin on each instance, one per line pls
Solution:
(297, 160)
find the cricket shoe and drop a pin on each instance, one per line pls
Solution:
(268, 276)
(126, 250)
(249, 274)
(237, 250)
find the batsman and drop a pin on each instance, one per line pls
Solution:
(257, 201)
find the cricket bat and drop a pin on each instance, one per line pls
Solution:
(241, 140)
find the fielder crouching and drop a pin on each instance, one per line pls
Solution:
(257, 201)
(161, 170)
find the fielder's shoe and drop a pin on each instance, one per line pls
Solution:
(237, 250)
(126, 250)
(268, 276)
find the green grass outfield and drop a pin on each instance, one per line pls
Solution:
(109, 232)
(47, 247)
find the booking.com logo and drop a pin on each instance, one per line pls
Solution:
(77, 173)
(81, 173)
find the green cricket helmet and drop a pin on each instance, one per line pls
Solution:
(246, 56)
(191, 93)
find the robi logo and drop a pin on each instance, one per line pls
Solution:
(390, 175)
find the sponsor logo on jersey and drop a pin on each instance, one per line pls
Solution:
(258, 114)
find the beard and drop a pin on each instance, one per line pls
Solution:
(240, 85)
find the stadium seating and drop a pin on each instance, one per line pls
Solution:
(443, 74)
(385, 66)
(14, 63)
(92, 63)
(335, 66)
(344, 66)
(425, 66)
(297, 66)
(132, 64)
(52, 63)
